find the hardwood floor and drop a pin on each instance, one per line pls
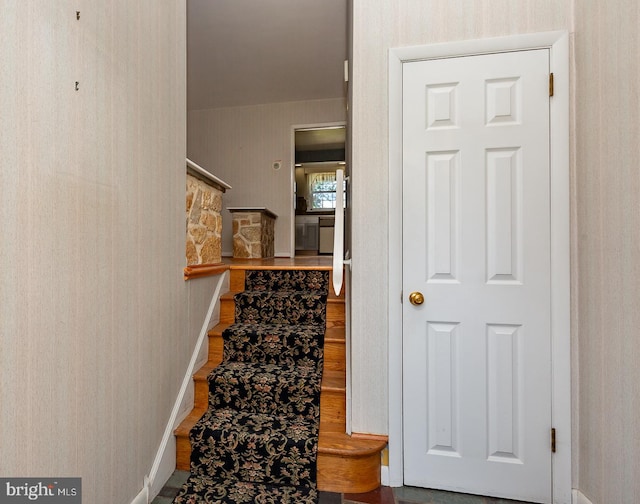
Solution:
(323, 262)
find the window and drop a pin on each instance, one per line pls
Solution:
(322, 190)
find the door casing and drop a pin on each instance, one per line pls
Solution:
(558, 44)
(292, 181)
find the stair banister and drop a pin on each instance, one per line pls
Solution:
(338, 235)
(339, 262)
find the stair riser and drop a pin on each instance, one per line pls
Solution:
(254, 449)
(332, 411)
(337, 473)
(237, 282)
(216, 349)
(287, 345)
(332, 403)
(294, 474)
(201, 393)
(230, 491)
(334, 356)
(183, 453)
(334, 352)
(335, 313)
(227, 310)
(286, 280)
(280, 308)
(267, 390)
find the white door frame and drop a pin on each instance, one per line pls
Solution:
(292, 169)
(558, 44)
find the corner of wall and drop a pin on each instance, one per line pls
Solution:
(578, 497)
(143, 496)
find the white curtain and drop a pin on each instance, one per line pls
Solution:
(315, 180)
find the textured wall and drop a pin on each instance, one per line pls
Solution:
(379, 25)
(239, 144)
(253, 235)
(608, 246)
(204, 222)
(92, 185)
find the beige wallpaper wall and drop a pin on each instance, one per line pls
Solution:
(607, 119)
(93, 307)
(239, 144)
(92, 301)
(378, 26)
(605, 187)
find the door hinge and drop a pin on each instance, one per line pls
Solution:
(553, 440)
(551, 84)
(401, 296)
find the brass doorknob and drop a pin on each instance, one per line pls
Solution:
(416, 298)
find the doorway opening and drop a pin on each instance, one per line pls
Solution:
(319, 151)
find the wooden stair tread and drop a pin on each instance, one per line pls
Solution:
(217, 329)
(204, 371)
(279, 264)
(190, 420)
(331, 380)
(338, 443)
(228, 296)
(332, 333)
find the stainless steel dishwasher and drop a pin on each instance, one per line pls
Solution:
(325, 245)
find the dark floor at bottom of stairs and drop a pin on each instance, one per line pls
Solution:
(383, 495)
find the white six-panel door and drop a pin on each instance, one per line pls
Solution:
(476, 244)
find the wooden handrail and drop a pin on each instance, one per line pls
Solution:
(203, 270)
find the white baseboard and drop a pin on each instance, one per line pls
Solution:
(165, 460)
(143, 496)
(384, 475)
(579, 498)
(165, 467)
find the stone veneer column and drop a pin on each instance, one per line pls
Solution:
(204, 222)
(253, 232)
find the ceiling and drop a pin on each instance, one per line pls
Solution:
(320, 138)
(250, 52)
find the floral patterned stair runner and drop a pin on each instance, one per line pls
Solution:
(258, 441)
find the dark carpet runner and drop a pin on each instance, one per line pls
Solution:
(258, 441)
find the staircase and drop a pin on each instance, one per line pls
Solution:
(344, 463)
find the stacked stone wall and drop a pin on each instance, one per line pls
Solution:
(253, 235)
(267, 237)
(204, 222)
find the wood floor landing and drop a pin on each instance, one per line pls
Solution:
(299, 262)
